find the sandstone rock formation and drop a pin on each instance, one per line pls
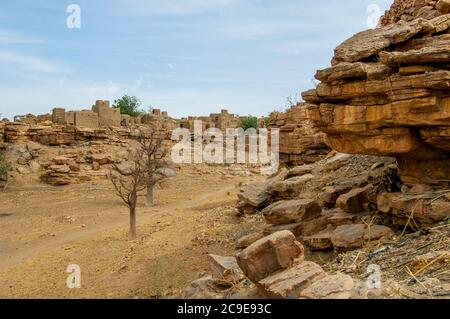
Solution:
(388, 92)
(407, 10)
(300, 141)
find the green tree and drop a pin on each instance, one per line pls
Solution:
(130, 105)
(249, 122)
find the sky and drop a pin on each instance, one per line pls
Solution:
(189, 57)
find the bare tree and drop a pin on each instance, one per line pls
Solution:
(144, 171)
(154, 157)
(128, 183)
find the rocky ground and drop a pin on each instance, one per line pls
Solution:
(43, 229)
(326, 237)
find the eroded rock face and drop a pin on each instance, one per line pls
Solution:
(387, 92)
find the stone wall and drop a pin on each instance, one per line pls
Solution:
(59, 116)
(86, 118)
(107, 116)
(222, 121)
(388, 93)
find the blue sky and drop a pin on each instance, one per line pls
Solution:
(190, 57)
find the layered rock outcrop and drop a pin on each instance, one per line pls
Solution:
(388, 93)
(408, 10)
(300, 141)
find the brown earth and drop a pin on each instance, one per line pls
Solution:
(87, 225)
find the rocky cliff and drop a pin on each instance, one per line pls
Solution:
(388, 92)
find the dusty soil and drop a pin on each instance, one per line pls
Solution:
(44, 229)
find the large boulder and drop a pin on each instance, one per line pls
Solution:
(292, 211)
(423, 209)
(348, 237)
(354, 200)
(270, 254)
(253, 194)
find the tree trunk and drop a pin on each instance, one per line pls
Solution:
(150, 192)
(133, 220)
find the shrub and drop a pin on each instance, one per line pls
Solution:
(130, 105)
(249, 122)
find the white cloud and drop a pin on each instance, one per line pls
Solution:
(13, 37)
(31, 63)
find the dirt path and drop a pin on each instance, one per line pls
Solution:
(40, 248)
(45, 229)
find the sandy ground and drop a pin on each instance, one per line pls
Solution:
(44, 229)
